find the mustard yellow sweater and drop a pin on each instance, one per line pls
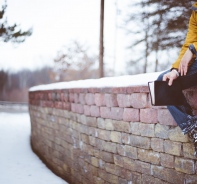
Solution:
(191, 38)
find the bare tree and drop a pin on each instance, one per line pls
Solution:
(73, 62)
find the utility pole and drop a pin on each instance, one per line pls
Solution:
(101, 49)
(115, 37)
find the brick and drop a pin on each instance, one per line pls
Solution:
(85, 138)
(149, 156)
(66, 106)
(99, 144)
(58, 105)
(129, 164)
(119, 90)
(99, 99)
(76, 98)
(140, 142)
(109, 125)
(81, 118)
(86, 180)
(167, 160)
(157, 144)
(79, 108)
(86, 110)
(71, 97)
(143, 167)
(110, 147)
(147, 179)
(130, 152)
(173, 148)
(188, 150)
(126, 138)
(175, 134)
(115, 137)
(104, 134)
(113, 179)
(130, 114)
(116, 113)
(111, 100)
(105, 112)
(101, 123)
(97, 153)
(124, 173)
(89, 98)
(48, 94)
(123, 100)
(184, 165)
(139, 100)
(168, 120)
(66, 114)
(92, 141)
(66, 168)
(112, 168)
(93, 131)
(107, 157)
(118, 160)
(103, 174)
(190, 179)
(121, 149)
(101, 164)
(94, 162)
(95, 111)
(164, 174)
(148, 115)
(161, 131)
(147, 130)
(136, 177)
(122, 181)
(121, 126)
(82, 98)
(98, 180)
(91, 121)
(88, 149)
(135, 128)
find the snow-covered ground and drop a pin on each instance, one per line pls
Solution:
(18, 164)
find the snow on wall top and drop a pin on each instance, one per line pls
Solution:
(120, 81)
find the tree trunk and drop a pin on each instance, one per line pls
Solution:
(101, 52)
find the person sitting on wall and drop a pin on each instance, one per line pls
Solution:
(185, 67)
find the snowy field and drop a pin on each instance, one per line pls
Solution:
(18, 164)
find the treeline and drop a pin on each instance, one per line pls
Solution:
(14, 86)
(72, 62)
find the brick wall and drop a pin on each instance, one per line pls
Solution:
(110, 135)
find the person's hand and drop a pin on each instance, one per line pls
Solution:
(183, 67)
(171, 76)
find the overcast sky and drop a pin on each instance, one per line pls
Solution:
(55, 23)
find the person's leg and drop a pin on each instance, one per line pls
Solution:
(183, 114)
(187, 81)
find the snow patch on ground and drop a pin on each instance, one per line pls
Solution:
(18, 164)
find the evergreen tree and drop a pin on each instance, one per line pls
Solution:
(163, 25)
(11, 33)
